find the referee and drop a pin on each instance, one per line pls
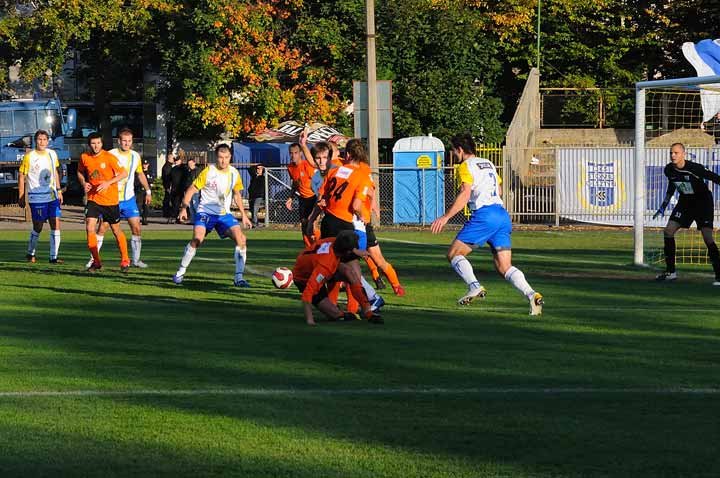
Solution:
(695, 204)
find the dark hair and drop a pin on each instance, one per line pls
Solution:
(320, 147)
(677, 144)
(355, 149)
(224, 146)
(41, 132)
(295, 145)
(125, 130)
(464, 141)
(345, 242)
(93, 135)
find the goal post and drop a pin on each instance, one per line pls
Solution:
(668, 111)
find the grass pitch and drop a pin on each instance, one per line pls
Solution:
(117, 375)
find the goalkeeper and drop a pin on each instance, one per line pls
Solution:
(695, 204)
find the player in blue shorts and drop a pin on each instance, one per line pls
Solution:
(218, 185)
(489, 223)
(39, 168)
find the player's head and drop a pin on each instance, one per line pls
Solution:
(295, 153)
(355, 151)
(191, 163)
(95, 142)
(223, 153)
(125, 139)
(322, 154)
(677, 153)
(462, 144)
(344, 244)
(42, 138)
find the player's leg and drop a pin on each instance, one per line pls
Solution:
(713, 253)
(136, 241)
(387, 268)
(39, 216)
(91, 226)
(306, 207)
(502, 259)
(359, 289)
(473, 233)
(375, 273)
(235, 233)
(199, 232)
(54, 215)
(121, 242)
(102, 228)
(669, 248)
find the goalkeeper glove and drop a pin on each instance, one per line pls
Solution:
(660, 212)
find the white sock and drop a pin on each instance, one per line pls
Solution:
(136, 246)
(54, 244)
(100, 241)
(464, 269)
(32, 243)
(517, 279)
(186, 259)
(240, 258)
(369, 291)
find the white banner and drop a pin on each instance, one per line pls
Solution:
(597, 184)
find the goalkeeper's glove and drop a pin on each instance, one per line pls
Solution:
(660, 212)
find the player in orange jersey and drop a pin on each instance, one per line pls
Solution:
(301, 170)
(99, 173)
(319, 267)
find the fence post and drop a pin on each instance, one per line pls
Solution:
(557, 189)
(267, 197)
(422, 196)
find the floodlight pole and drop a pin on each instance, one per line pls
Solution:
(372, 87)
(537, 64)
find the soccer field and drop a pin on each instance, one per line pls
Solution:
(118, 375)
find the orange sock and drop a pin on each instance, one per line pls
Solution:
(122, 245)
(92, 245)
(334, 293)
(358, 294)
(389, 271)
(352, 303)
(373, 267)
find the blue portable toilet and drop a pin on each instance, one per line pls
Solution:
(418, 180)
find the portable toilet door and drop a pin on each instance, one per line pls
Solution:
(418, 180)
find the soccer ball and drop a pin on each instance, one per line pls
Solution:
(282, 278)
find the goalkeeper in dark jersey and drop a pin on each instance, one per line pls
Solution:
(695, 204)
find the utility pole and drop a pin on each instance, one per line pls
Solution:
(372, 87)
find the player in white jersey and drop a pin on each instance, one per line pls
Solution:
(130, 160)
(218, 185)
(39, 168)
(490, 222)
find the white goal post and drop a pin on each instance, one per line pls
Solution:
(694, 84)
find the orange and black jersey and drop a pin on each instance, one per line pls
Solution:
(315, 266)
(343, 185)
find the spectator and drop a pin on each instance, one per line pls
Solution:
(166, 180)
(256, 192)
(140, 191)
(178, 183)
(192, 173)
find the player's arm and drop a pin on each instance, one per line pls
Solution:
(86, 186)
(306, 151)
(145, 183)
(22, 174)
(120, 174)
(293, 192)
(666, 200)
(705, 173)
(182, 216)
(460, 201)
(58, 186)
(318, 278)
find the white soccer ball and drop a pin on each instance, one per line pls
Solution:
(282, 278)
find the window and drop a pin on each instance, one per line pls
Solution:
(25, 122)
(6, 128)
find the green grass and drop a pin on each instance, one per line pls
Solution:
(588, 389)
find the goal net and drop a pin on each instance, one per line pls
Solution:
(673, 111)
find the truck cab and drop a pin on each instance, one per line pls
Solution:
(19, 120)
